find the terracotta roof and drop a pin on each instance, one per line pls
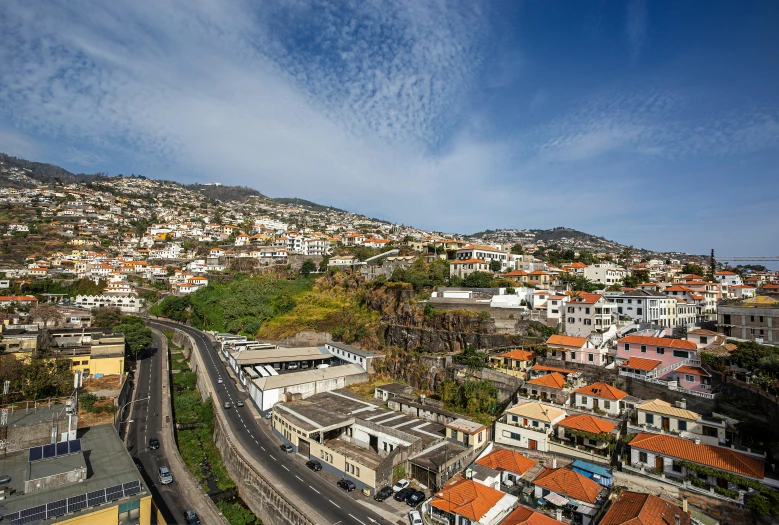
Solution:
(507, 460)
(637, 508)
(666, 342)
(603, 391)
(585, 298)
(519, 355)
(587, 423)
(639, 363)
(717, 457)
(569, 483)
(525, 516)
(701, 331)
(479, 247)
(515, 273)
(544, 368)
(537, 411)
(566, 340)
(694, 370)
(553, 380)
(659, 406)
(467, 498)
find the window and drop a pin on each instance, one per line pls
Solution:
(650, 419)
(681, 425)
(676, 467)
(709, 431)
(130, 511)
(481, 436)
(689, 378)
(639, 311)
(590, 358)
(752, 318)
(607, 405)
(570, 309)
(642, 457)
(660, 350)
(704, 340)
(627, 347)
(586, 310)
(643, 349)
(573, 356)
(535, 423)
(571, 320)
(681, 353)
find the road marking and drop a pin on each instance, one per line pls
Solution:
(315, 490)
(334, 503)
(285, 468)
(257, 442)
(301, 479)
(263, 448)
(355, 519)
(271, 456)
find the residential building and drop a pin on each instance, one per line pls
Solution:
(526, 516)
(637, 508)
(572, 377)
(583, 433)
(728, 278)
(127, 304)
(468, 502)
(604, 273)
(576, 495)
(555, 308)
(548, 387)
(514, 362)
(501, 468)
(586, 313)
(528, 425)
(659, 416)
(599, 397)
(462, 268)
(483, 253)
(644, 306)
(570, 349)
(755, 319)
(358, 356)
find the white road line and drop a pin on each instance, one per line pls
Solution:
(315, 490)
(355, 519)
(263, 448)
(301, 479)
(271, 456)
(334, 503)
(257, 442)
(285, 468)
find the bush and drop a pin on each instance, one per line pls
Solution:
(732, 494)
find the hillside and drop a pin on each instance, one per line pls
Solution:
(294, 201)
(224, 193)
(45, 172)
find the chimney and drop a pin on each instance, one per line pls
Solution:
(684, 504)
(559, 514)
(554, 462)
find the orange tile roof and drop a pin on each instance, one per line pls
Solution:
(637, 508)
(588, 423)
(479, 247)
(640, 363)
(585, 298)
(544, 368)
(566, 340)
(519, 355)
(515, 273)
(467, 498)
(569, 483)
(553, 380)
(525, 516)
(507, 460)
(709, 455)
(694, 370)
(666, 342)
(603, 391)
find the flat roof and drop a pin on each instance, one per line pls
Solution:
(275, 355)
(357, 351)
(307, 376)
(22, 416)
(108, 464)
(57, 465)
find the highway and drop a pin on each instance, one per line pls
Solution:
(255, 436)
(146, 417)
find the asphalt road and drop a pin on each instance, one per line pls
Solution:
(256, 436)
(146, 417)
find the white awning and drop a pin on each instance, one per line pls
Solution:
(556, 499)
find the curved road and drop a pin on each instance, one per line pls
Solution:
(330, 502)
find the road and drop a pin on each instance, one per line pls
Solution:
(146, 417)
(332, 503)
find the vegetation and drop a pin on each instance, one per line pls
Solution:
(423, 275)
(36, 378)
(692, 268)
(92, 403)
(237, 514)
(477, 399)
(137, 336)
(308, 266)
(106, 317)
(579, 283)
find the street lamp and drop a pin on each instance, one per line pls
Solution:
(116, 423)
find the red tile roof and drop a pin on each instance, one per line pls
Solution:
(569, 483)
(603, 391)
(467, 498)
(525, 516)
(588, 423)
(544, 368)
(585, 298)
(553, 380)
(507, 460)
(666, 342)
(694, 370)
(519, 355)
(637, 508)
(712, 456)
(639, 363)
(566, 340)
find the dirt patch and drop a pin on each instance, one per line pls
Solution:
(93, 384)
(85, 419)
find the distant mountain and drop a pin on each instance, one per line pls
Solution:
(303, 202)
(561, 232)
(48, 173)
(224, 193)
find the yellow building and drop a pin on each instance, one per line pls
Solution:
(515, 362)
(56, 486)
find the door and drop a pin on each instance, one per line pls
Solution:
(595, 404)
(666, 423)
(533, 444)
(304, 448)
(659, 463)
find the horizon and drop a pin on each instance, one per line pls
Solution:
(636, 122)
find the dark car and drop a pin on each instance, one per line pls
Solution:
(286, 448)
(383, 494)
(239, 403)
(402, 494)
(347, 485)
(191, 517)
(314, 465)
(415, 498)
(154, 443)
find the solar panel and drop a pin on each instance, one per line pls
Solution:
(57, 508)
(36, 454)
(12, 517)
(32, 514)
(62, 448)
(75, 446)
(49, 451)
(113, 493)
(133, 487)
(77, 503)
(96, 498)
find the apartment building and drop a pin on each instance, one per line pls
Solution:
(644, 306)
(755, 319)
(586, 313)
(604, 273)
(483, 253)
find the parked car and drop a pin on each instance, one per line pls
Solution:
(415, 518)
(292, 366)
(154, 443)
(269, 415)
(314, 465)
(347, 485)
(227, 404)
(191, 517)
(415, 498)
(220, 380)
(400, 485)
(239, 403)
(402, 494)
(165, 476)
(383, 494)
(286, 448)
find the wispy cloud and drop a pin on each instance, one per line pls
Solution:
(636, 25)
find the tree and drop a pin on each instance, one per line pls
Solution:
(45, 313)
(308, 266)
(625, 254)
(495, 265)
(137, 336)
(106, 317)
(323, 263)
(712, 267)
(517, 249)
(478, 280)
(692, 268)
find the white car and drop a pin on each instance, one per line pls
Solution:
(400, 485)
(415, 518)
(220, 381)
(165, 476)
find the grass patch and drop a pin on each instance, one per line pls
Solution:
(179, 364)
(237, 514)
(367, 389)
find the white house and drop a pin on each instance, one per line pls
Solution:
(599, 396)
(528, 425)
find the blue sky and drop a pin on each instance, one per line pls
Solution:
(651, 123)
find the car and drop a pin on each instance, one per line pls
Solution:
(415, 518)
(402, 494)
(383, 494)
(227, 404)
(268, 415)
(165, 476)
(220, 380)
(292, 366)
(286, 448)
(314, 465)
(154, 443)
(415, 498)
(347, 485)
(191, 517)
(400, 485)
(239, 403)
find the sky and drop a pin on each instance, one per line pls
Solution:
(654, 124)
